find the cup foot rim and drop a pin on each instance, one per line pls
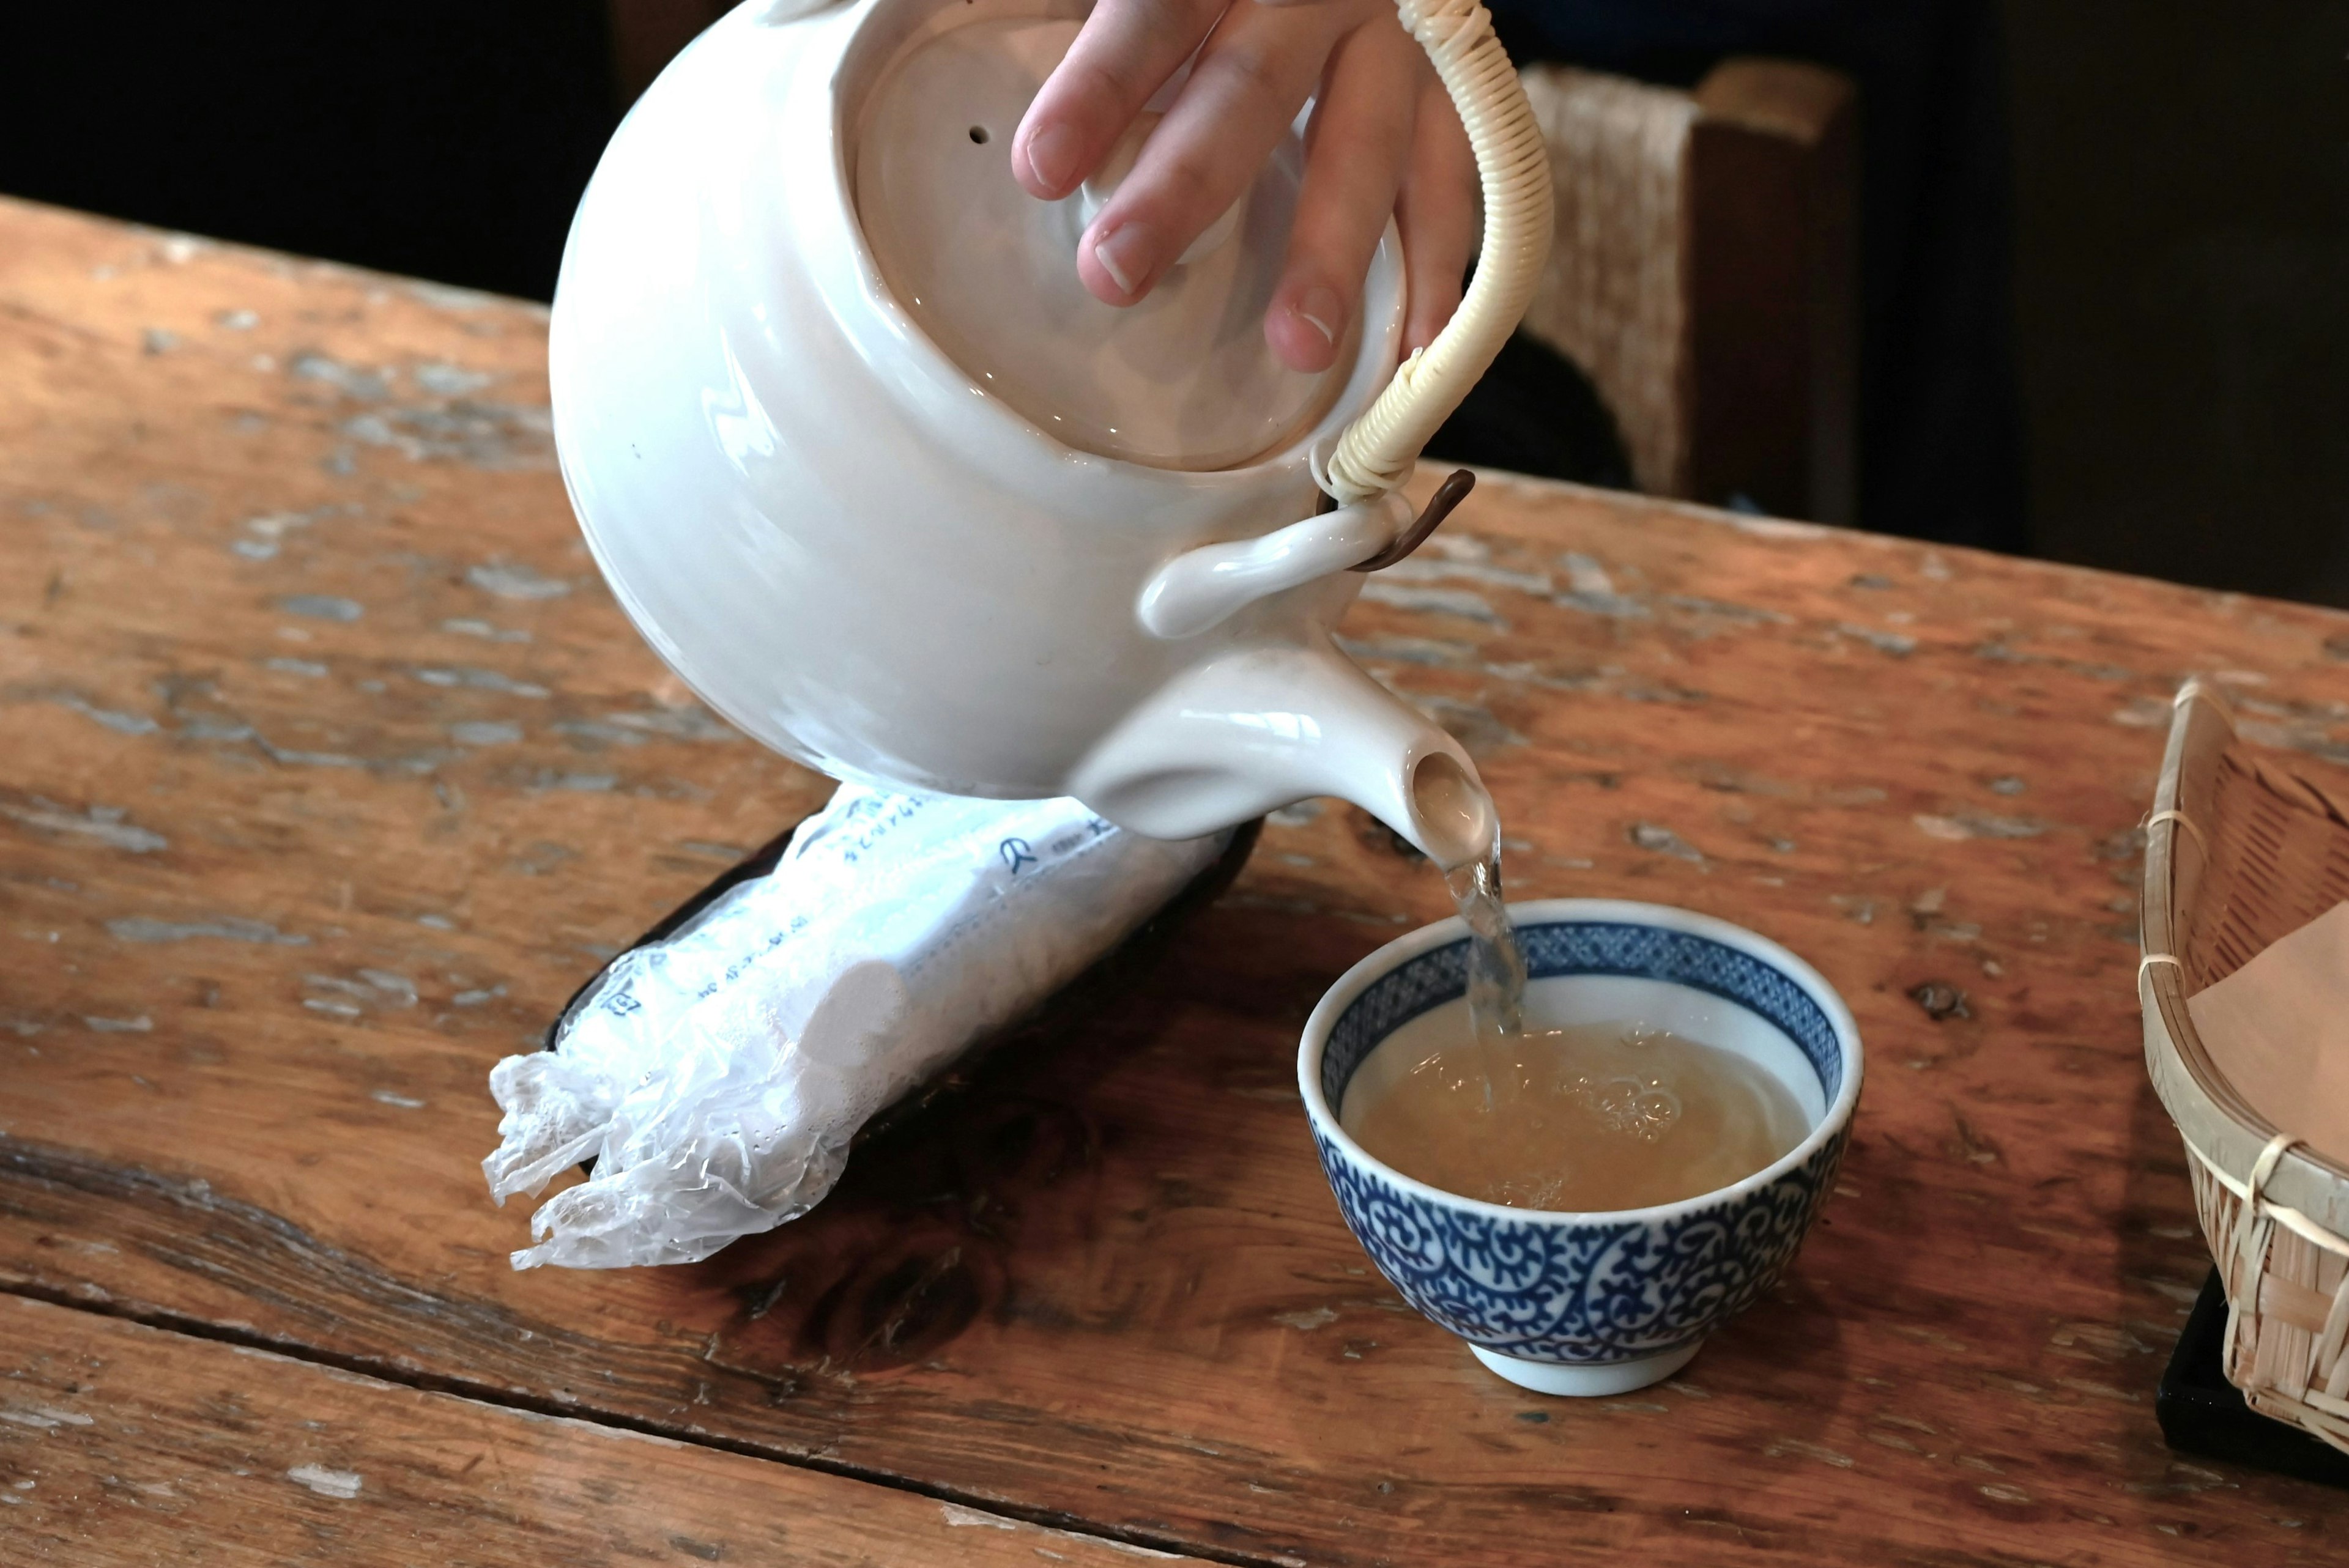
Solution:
(1588, 1380)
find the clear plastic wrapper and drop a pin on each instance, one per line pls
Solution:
(718, 1076)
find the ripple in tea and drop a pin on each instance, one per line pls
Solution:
(1594, 1117)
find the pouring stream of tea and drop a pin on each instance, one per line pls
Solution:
(1588, 1115)
(1496, 972)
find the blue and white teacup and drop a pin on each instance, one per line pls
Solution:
(1607, 1302)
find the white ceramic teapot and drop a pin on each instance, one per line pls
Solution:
(890, 492)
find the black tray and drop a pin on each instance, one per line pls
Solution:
(2203, 1414)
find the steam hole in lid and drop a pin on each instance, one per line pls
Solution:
(979, 134)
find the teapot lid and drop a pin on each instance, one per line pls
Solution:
(1183, 379)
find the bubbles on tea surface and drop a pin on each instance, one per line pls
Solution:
(1584, 1119)
(1640, 1108)
(1535, 1192)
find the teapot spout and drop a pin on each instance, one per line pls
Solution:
(1263, 727)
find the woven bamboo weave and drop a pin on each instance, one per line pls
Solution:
(2244, 846)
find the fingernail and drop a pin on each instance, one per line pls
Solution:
(1052, 156)
(1125, 255)
(1318, 308)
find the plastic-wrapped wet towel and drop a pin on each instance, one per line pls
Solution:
(717, 1078)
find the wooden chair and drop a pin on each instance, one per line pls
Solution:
(1703, 274)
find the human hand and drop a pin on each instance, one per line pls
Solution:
(1385, 139)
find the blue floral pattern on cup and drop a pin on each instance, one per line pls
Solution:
(1583, 1290)
(1590, 1293)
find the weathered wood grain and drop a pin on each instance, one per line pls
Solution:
(280, 757)
(123, 1445)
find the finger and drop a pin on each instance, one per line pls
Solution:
(1251, 77)
(1437, 212)
(1354, 157)
(1124, 53)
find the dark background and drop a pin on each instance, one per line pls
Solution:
(448, 139)
(2182, 286)
(2170, 215)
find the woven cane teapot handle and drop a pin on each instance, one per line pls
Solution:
(1376, 453)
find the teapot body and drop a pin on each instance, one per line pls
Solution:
(833, 533)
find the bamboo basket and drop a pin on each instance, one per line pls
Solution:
(2245, 845)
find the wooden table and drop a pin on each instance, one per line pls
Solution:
(331, 769)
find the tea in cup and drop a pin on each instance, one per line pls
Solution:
(1628, 1007)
